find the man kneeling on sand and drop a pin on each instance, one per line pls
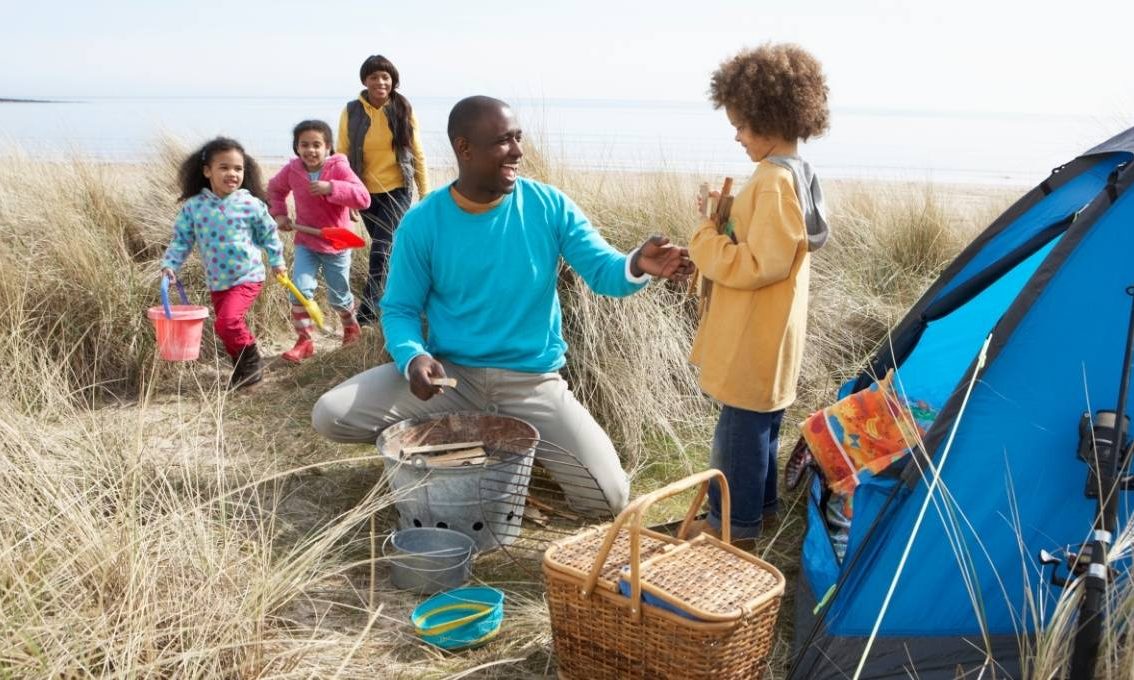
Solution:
(479, 258)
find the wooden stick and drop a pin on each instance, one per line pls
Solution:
(314, 231)
(726, 187)
(693, 287)
(458, 458)
(443, 382)
(373, 561)
(724, 204)
(720, 218)
(551, 510)
(724, 208)
(436, 448)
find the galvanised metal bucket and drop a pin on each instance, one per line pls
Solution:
(485, 500)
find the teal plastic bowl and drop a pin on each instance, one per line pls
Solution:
(461, 618)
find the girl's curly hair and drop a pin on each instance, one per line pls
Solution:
(191, 175)
(776, 89)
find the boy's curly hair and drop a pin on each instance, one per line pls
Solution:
(776, 89)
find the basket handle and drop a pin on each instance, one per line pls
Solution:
(634, 514)
(393, 557)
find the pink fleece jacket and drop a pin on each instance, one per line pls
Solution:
(347, 191)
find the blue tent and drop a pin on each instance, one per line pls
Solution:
(1046, 283)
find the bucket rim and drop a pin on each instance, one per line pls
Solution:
(484, 598)
(391, 549)
(180, 312)
(535, 437)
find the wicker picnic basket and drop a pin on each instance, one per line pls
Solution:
(694, 609)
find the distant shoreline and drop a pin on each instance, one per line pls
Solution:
(12, 100)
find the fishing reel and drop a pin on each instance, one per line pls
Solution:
(1077, 562)
(1097, 448)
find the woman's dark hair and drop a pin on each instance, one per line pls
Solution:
(399, 109)
(191, 176)
(316, 125)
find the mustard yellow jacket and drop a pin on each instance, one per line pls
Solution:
(381, 172)
(749, 345)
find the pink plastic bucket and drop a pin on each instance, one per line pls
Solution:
(178, 327)
(179, 338)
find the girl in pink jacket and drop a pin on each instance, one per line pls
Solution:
(325, 190)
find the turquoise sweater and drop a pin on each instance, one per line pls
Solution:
(486, 283)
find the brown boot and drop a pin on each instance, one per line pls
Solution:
(246, 368)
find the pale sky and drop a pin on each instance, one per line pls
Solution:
(949, 55)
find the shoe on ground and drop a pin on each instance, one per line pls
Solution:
(770, 523)
(702, 526)
(366, 316)
(246, 370)
(351, 334)
(304, 348)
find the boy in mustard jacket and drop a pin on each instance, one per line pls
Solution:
(749, 345)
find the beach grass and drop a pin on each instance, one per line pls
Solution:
(155, 525)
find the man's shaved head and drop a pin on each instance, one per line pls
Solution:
(488, 144)
(466, 113)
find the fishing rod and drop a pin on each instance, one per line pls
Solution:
(1092, 611)
(1102, 445)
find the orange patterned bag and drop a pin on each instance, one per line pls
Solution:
(869, 429)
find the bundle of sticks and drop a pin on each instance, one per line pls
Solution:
(718, 210)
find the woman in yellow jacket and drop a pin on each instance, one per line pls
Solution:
(379, 135)
(750, 342)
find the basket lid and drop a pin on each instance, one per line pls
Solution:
(709, 580)
(576, 554)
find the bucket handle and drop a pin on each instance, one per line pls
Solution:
(165, 296)
(468, 556)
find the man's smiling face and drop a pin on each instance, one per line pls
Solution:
(492, 155)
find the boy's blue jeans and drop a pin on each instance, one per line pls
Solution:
(336, 272)
(744, 449)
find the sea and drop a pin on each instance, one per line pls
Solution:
(614, 135)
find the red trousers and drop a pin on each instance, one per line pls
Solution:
(230, 306)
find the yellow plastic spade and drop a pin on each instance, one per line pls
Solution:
(312, 308)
